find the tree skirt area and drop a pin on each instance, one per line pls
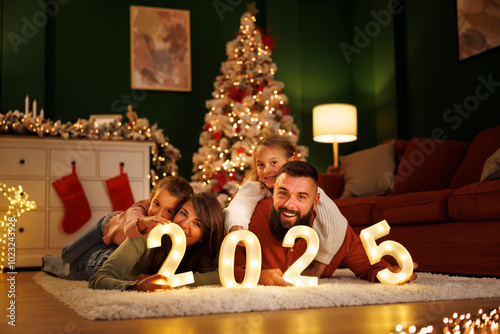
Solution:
(343, 289)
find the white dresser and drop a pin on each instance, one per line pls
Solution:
(34, 163)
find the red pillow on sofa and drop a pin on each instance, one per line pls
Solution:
(480, 149)
(477, 201)
(428, 164)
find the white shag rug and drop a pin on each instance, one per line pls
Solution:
(343, 289)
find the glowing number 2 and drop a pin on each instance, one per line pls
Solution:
(388, 247)
(175, 256)
(253, 259)
(292, 275)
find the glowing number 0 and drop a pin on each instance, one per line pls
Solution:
(175, 256)
(292, 275)
(388, 247)
(253, 259)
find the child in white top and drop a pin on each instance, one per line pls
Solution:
(269, 155)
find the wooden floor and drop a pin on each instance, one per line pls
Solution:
(36, 311)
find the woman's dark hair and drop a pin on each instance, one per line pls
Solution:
(202, 256)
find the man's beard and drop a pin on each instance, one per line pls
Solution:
(278, 230)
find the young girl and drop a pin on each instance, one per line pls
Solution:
(269, 155)
(78, 259)
(133, 266)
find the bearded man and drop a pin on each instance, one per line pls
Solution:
(293, 203)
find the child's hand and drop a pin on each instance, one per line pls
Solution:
(147, 223)
(237, 228)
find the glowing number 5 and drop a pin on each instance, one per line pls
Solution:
(175, 256)
(292, 274)
(388, 247)
(253, 259)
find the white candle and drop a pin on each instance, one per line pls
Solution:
(292, 275)
(388, 247)
(26, 105)
(175, 256)
(41, 114)
(34, 109)
(253, 259)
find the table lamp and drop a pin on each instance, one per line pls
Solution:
(334, 123)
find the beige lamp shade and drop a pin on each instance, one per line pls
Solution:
(335, 122)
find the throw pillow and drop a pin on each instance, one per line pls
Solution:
(491, 169)
(480, 148)
(428, 164)
(369, 172)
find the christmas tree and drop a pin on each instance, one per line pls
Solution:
(247, 104)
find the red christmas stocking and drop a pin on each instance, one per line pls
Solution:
(120, 192)
(77, 208)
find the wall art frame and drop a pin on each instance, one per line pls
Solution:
(160, 49)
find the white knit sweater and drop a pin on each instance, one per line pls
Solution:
(329, 224)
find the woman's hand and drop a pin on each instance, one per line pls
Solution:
(151, 283)
(147, 223)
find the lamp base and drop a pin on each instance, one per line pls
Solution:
(334, 170)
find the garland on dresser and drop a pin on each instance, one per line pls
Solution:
(164, 155)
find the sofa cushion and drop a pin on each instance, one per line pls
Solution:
(358, 211)
(491, 168)
(399, 148)
(428, 164)
(413, 208)
(476, 202)
(480, 149)
(369, 172)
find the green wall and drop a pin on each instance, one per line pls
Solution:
(403, 78)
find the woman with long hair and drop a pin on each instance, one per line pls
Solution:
(134, 266)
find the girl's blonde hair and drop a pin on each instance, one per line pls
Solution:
(281, 144)
(176, 186)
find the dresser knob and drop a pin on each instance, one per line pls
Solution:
(22, 161)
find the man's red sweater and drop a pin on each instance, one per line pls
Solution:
(351, 254)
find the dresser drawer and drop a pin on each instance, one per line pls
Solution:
(35, 189)
(23, 162)
(61, 160)
(109, 164)
(30, 230)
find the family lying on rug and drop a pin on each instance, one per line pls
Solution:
(281, 193)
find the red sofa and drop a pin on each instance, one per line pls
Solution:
(437, 206)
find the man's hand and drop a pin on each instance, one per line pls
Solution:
(397, 269)
(315, 270)
(273, 277)
(155, 282)
(147, 223)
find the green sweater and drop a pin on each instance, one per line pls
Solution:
(131, 259)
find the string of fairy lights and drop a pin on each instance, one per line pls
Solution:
(18, 204)
(164, 155)
(482, 322)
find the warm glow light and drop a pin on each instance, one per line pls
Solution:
(292, 275)
(175, 256)
(18, 204)
(253, 259)
(388, 247)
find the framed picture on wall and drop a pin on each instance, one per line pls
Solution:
(160, 49)
(478, 26)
